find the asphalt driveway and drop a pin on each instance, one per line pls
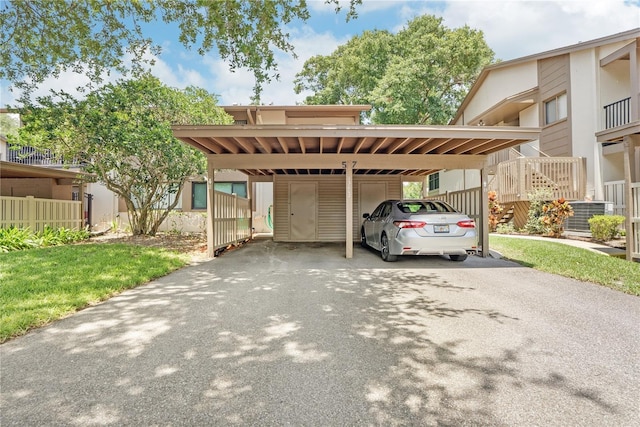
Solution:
(286, 334)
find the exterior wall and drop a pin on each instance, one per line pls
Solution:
(104, 206)
(498, 85)
(330, 203)
(553, 80)
(40, 188)
(584, 117)
(457, 179)
(320, 121)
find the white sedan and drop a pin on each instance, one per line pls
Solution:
(419, 227)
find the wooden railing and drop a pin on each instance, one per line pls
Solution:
(635, 221)
(23, 212)
(614, 193)
(563, 176)
(232, 219)
(466, 201)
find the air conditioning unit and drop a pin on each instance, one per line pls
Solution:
(583, 211)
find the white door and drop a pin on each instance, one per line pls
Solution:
(302, 211)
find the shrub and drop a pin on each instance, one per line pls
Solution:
(605, 227)
(554, 214)
(17, 239)
(495, 209)
(507, 228)
(537, 199)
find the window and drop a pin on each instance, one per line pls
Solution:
(555, 109)
(238, 188)
(198, 195)
(199, 192)
(434, 181)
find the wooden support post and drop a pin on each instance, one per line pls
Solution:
(349, 209)
(211, 209)
(629, 178)
(484, 213)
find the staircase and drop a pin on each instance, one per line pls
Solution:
(508, 215)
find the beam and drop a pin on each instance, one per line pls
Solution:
(358, 131)
(334, 161)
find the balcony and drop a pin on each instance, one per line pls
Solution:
(617, 113)
(564, 177)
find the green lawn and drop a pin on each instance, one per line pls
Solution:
(38, 286)
(569, 261)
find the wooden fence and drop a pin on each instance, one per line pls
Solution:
(23, 212)
(231, 220)
(635, 220)
(467, 201)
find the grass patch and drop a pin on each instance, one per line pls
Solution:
(38, 286)
(569, 261)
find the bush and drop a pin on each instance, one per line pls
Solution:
(17, 239)
(495, 209)
(507, 228)
(537, 200)
(605, 227)
(554, 214)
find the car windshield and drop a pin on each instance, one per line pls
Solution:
(424, 207)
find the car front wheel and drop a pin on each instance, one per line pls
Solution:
(384, 249)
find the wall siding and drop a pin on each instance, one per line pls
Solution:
(331, 219)
(554, 79)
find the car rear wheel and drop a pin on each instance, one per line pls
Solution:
(458, 257)
(384, 249)
(363, 239)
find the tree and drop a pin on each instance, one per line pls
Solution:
(41, 38)
(122, 133)
(418, 76)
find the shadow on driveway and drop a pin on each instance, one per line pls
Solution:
(288, 334)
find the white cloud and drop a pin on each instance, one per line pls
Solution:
(519, 28)
(237, 87)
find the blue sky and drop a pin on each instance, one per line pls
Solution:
(512, 29)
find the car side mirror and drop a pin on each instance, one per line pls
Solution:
(366, 216)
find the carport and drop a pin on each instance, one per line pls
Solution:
(317, 145)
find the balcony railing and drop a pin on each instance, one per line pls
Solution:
(563, 177)
(617, 113)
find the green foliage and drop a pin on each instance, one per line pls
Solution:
(495, 210)
(507, 228)
(47, 37)
(537, 199)
(569, 261)
(420, 75)
(122, 133)
(554, 214)
(605, 227)
(42, 285)
(16, 239)
(412, 190)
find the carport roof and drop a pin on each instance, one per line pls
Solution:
(17, 170)
(260, 150)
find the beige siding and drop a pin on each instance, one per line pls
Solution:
(37, 187)
(553, 80)
(331, 219)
